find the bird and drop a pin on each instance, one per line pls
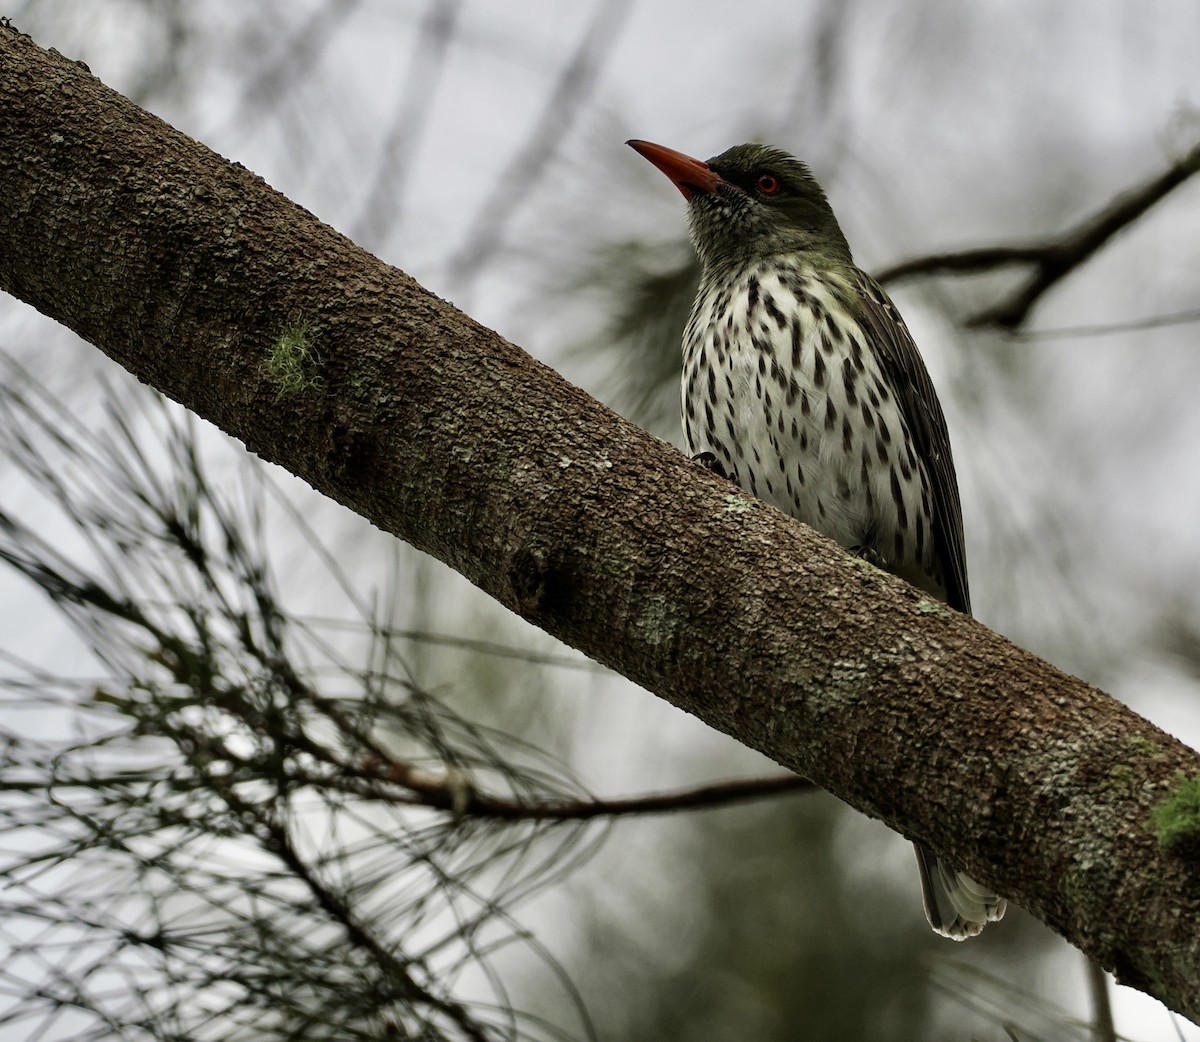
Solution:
(802, 384)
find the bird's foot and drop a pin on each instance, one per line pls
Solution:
(709, 461)
(870, 555)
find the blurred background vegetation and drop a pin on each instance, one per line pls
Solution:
(479, 147)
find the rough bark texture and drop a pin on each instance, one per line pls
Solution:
(190, 271)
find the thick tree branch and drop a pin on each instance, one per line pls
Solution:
(196, 276)
(1050, 259)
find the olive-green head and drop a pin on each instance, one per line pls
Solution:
(751, 202)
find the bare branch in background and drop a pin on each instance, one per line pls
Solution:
(1022, 1014)
(163, 71)
(211, 853)
(1103, 1029)
(1177, 318)
(533, 158)
(384, 207)
(291, 57)
(1051, 259)
(818, 102)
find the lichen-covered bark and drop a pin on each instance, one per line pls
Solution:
(191, 272)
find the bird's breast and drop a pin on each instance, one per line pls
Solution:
(781, 385)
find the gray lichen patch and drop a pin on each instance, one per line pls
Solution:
(658, 621)
(735, 504)
(927, 606)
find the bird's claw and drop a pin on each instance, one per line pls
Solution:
(709, 461)
(870, 555)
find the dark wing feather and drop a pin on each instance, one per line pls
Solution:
(900, 360)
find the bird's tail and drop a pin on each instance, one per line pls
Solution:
(955, 905)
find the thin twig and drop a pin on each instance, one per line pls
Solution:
(1051, 259)
(482, 647)
(451, 791)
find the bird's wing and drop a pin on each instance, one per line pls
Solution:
(926, 424)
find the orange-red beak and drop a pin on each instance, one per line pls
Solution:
(687, 174)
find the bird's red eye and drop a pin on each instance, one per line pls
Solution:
(768, 184)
